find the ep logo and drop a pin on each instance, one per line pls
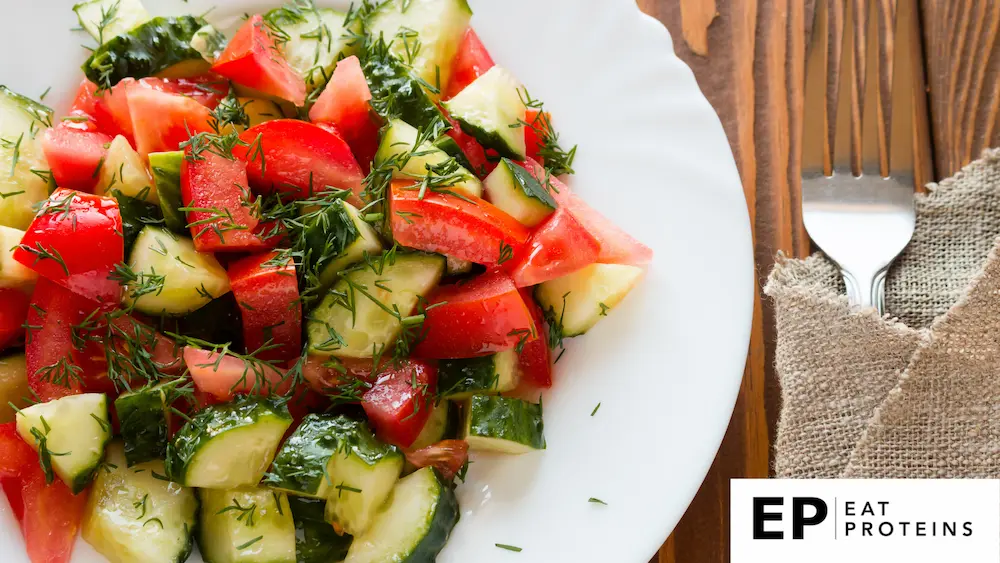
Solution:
(805, 511)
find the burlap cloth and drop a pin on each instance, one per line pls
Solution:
(916, 394)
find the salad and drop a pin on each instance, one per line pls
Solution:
(266, 292)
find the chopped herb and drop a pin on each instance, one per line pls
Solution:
(506, 253)
(103, 423)
(249, 543)
(244, 514)
(45, 93)
(141, 505)
(593, 412)
(342, 487)
(604, 309)
(156, 520)
(513, 548)
(597, 501)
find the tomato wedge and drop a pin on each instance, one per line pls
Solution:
(447, 456)
(75, 240)
(166, 120)
(463, 227)
(223, 376)
(325, 374)
(86, 98)
(537, 123)
(252, 59)
(13, 313)
(15, 454)
(214, 192)
(471, 61)
(52, 517)
(298, 159)
(558, 247)
(535, 360)
(345, 104)
(400, 402)
(474, 152)
(479, 317)
(268, 296)
(74, 156)
(111, 108)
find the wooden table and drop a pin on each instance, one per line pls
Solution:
(748, 57)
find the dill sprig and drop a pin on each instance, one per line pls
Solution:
(244, 514)
(556, 160)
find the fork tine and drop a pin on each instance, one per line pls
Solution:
(842, 80)
(902, 123)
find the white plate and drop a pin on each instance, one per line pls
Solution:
(665, 365)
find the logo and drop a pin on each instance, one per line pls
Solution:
(799, 518)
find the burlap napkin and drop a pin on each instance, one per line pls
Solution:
(914, 395)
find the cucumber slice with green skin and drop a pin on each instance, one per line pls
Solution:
(349, 324)
(313, 39)
(227, 446)
(315, 539)
(576, 302)
(134, 517)
(69, 434)
(247, 525)
(450, 146)
(106, 19)
(220, 320)
(210, 42)
(413, 526)
(144, 422)
(14, 390)
(166, 167)
(336, 238)
(503, 424)
(396, 94)
(514, 190)
(397, 149)
(21, 123)
(442, 424)
(159, 47)
(125, 171)
(13, 274)
(460, 379)
(136, 214)
(491, 110)
(183, 279)
(438, 24)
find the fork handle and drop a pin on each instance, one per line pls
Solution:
(866, 290)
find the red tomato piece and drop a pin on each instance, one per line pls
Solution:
(617, 246)
(298, 159)
(475, 153)
(537, 123)
(447, 456)
(13, 313)
(162, 350)
(222, 376)
(471, 61)
(111, 108)
(74, 156)
(166, 120)
(213, 189)
(400, 402)
(52, 516)
(15, 454)
(479, 317)
(76, 241)
(467, 227)
(345, 104)
(86, 98)
(326, 374)
(269, 299)
(535, 360)
(558, 247)
(12, 488)
(252, 59)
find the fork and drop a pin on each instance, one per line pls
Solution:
(857, 148)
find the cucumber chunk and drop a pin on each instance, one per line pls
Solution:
(441, 425)
(514, 190)
(134, 517)
(69, 434)
(450, 146)
(491, 110)
(227, 446)
(158, 47)
(313, 39)
(397, 149)
(210, 42)
(460, 379)
(14, 390)
(337, 237)
(350, 324)
(413, 526)
(144, 422)
(178, 278)
(136, 214)
(166, 167)
(396, 93)
(575, 302)
(27, 180)
(315, 539)
(13, 274)
(106, 19)
(125, 171)
(438, 24)
(503, 424)
(248, 525)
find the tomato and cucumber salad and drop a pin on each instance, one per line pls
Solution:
(263, 291)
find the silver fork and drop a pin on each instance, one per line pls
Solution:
(858, 202)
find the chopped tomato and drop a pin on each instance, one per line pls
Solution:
(298, 159)
(252, 59)
(558, 247)
(617, 246)
(479, 317)
(268, 296)
(345, 104)
(214, 191)
(15, 454)
(463, 227)
(537, 123)
(111, 108)
(477, 156)
(535, 360)
(52, 516)
(161, 350)
(222, 376)
(76, 241)
(13, 313)
(166, 120)
(86, 98)
(12, 488)
(326, 374)
(471, 61)
(74, 156)
(400, 402)
(447, 456)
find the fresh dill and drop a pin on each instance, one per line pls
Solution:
(244, 514)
